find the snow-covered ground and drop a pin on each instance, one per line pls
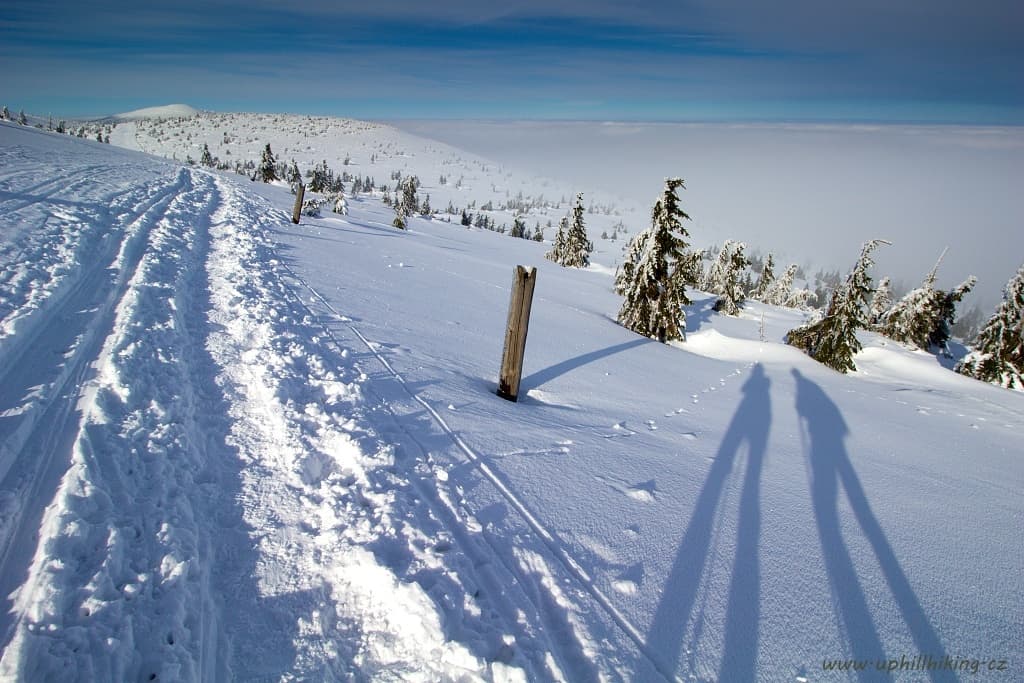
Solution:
(237, 448)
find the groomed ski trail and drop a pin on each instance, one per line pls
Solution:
(215, 505)
(541, 569)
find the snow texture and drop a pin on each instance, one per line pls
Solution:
(235, 448)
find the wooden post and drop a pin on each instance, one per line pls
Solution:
(299, 194)
(515, 333)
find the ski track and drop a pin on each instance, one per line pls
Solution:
(538, 566)
(195, 491)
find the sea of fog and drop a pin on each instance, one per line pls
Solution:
(812, 193)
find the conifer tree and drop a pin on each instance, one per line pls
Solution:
(294, 176)
(652, 279)
(833, 339)
(206, 159)
(711, 281)
(538, 234)
(22, 119)
(518, 227)
(765, 280)
(318, 181)
(577, 249)
(781, 290)
(267, 170)
(5, 115)
(728, 285)
(881, 303)
(945, 318)
(557, 253)
(922, 317)
(998, 355)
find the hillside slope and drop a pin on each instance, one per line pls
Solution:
(237, 448)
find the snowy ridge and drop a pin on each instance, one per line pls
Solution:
(164, 112)
(213, 414)
(235, 448)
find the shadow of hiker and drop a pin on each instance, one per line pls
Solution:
(750, 424)
(830, 466)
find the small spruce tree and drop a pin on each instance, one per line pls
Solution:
(729, 286)
(832, 340)
(998, 354)
(5, 115)
(267, 171)
(578, 247)
(557, 253)
(922, 318)
(518, 227)
(945, 308)
(652, 279)
(206, 159)
(765, 280)
(881, 303)
(781, 290)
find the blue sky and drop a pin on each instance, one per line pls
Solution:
(941, 61)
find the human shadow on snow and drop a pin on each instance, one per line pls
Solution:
(830, 467)
(750, 426)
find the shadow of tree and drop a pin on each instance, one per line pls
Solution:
(830, 467)
(750, 424)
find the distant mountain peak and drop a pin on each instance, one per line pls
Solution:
(166, 111)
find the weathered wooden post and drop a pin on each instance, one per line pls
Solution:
(299, 194)
(515, 333)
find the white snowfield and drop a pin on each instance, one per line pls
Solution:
(234, 448)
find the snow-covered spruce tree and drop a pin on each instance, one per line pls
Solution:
(730, 288)
(801, 299)
(711, 279)
(652, 279)
(538, 234)
(408, 187)
(922, 317)
(401, 217)
(881, 303)
(318, 180)
(578, 247)
(5, 115)
(267, 171)
(765, 280)
(340, 204)
(782, 289)
(206, 159)
(22, 119)
(557, 253)
(946, 315)
(294, 177)
(518, 227)
(832, 340)
(998, 355)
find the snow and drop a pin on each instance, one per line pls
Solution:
(235, 448)
(163, 112)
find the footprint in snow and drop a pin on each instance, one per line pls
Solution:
(690, 436)
(651, 425)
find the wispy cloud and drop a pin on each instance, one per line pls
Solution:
(868, 58)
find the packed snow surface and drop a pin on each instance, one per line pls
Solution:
(234, 448)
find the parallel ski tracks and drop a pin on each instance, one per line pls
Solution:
(34, 454)
(564, 558)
